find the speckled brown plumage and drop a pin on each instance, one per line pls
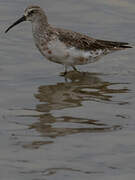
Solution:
(85, 42)
(65, 46)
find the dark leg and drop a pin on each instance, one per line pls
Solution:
(65, 72)
(74, 68)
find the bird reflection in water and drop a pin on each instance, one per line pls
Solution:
(80, 87)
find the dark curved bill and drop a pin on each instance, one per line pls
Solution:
(23, 18)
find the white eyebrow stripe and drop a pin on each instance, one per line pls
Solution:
(26, 13)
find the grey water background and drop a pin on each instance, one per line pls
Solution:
(82, 128)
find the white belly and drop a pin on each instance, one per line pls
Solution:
(58, 52)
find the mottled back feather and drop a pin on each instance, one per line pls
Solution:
(84, 42)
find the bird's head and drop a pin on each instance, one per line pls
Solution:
(32, 14)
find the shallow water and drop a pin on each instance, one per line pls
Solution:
(78, 127)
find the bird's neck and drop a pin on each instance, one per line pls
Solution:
(42, 33)
(39, 26)
(42, 30)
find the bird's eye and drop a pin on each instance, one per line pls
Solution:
(31, 12)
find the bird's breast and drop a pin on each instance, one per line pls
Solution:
(57, 51)
(53, 50)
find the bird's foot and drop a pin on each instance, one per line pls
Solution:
(75, 69)
(63, 73)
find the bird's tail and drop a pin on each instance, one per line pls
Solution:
(114, 44)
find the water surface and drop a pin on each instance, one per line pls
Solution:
(78, 127)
